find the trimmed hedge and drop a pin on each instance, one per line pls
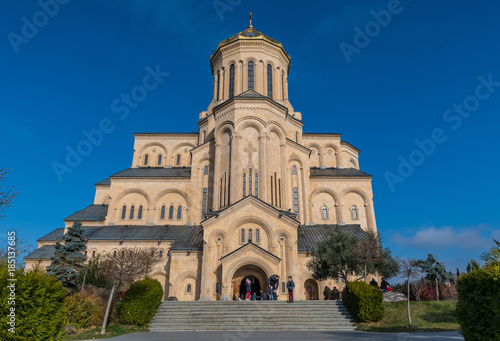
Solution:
(478, 306)
(141, 302)
(39, 306)
(364, 302)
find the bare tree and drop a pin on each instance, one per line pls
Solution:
(417, 287)
(410, 268)
(7, 193)
(368, 252)
(126, 265)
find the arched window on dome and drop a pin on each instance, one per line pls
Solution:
(171, 212)
(296, 200)
(162, 214)
(205, 170)
(146, 159)
(132, 209)
(250, 181)
(257, 236)
(139, 214)
(179, 212)
(250, 235)
(354, 212)
(124, 211)
(159, 160)
(231, 81)
(242, 235)
(294, 170)
(325, 212)
(250, 75)
(269, 81)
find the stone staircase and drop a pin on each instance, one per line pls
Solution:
(251, 315)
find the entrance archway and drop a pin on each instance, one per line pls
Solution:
(311, 289)
(252, 272)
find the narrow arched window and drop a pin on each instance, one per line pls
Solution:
(325, 212)
(250, 181)
(354, 210)
(171, 212)
(256, 184)
(231, 81)
(218, 84)
(124, 211)
(162, 215)
(93, 254)
(146, 159)
(179, 212)
(250, 75)
(296, 200)
(188, 289)
(132, 209)
(204, 204)
(269, 81)
(139, 214)
(250, 235)
(205, 171)
(294, 170)
(244, 184)
(114, 253)
(161, 253)
(242, 235)
(159, 160)
(178, 160)
(257, 236)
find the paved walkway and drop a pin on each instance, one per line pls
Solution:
(285, 336)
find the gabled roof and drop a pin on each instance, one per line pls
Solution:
(250, 244)
(106, 182)
(90, 213)
(44, 252)
(250, 94)
(309, 235)
(155, 172)
(52, 236)
(337, 172)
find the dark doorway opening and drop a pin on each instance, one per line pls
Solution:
(255, 286)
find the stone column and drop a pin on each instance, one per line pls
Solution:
(235, 169)
(284, 177)
(263, 192)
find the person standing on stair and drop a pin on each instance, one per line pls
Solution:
(290, 285)
(274, 282)
(248, 287)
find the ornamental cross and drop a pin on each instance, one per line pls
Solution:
(250, 150)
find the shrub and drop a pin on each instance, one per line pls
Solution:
(141, 302)
(448, 292)
(428, 294)
(39, 306)
(364, 302)
(478, 306)
(79, 310)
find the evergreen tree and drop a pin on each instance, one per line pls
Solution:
(435, 271)
(69, 256)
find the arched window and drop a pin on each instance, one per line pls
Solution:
(162, 215)
(205, 171)
(250, 181)
(296, 200)
(218, 84)
(159, 160)
(139, 214)
(178, 159)
(132, 209)
(146, 159)
(171, 212)
(294, 170)
(231, 81)
(188, 289)
(114, 253)
(325, 212)
(256, 184)
(242, 235)
(250, 75)
(250, 235)
(93, 254)
(161, 253)
(354, 211)
(257, 236)
(124, 211)
(244, 184)
(269, 81)
(179, 212)
(204, 204)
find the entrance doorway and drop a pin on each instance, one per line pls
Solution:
(255, 286)
(255, 274)
(311, 287)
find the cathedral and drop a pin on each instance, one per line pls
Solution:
(247, 196)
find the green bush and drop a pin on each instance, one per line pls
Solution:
(364, 302)
(141, 302)
(79, 310)
(478, 306)
(39, 305)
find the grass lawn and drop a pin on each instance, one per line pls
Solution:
(111, 331)
(430, 316)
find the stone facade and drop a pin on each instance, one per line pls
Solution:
(249, 185)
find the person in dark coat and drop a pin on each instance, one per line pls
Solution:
(274, 282)
(290, 285)
(248, 287)
(384, 285)
(270, 292)
(374, 283)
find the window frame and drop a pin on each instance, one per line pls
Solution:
(231, 81)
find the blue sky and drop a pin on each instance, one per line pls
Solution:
(427, 72)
